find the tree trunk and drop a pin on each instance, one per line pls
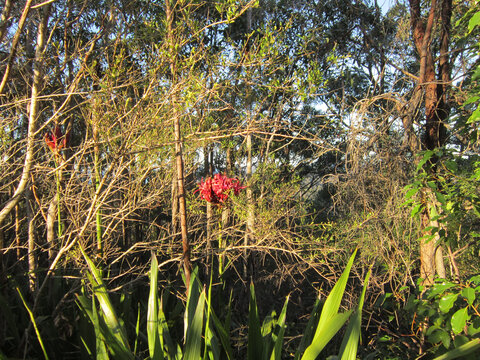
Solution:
(4, 17)
(436, 113)
(32, 260)
(182, 205)
(33, 110)
(15, 41)
(51, 215)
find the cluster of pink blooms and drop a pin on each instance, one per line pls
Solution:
(55, 140)
(216, 189)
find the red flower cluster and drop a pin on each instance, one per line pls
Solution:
(55, 140)
(217, 189)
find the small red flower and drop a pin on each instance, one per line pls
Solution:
(55, 140)
(217, 189)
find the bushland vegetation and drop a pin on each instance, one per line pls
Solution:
(239, 179)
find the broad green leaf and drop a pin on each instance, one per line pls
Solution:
(471, 100)
(410, 193)
(474, 117)
(446, 302)
(192, 299)
(416, 209)
(469, 294)
(171, 350)
(224, 336)
(438, 289)
(459, 320)
(439, 335)
(474, 21)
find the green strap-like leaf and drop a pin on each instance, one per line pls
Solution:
(461, 351)
(322, 338)
(332, 303)
(193, 343)
(154, 345)
(255, 340)
(309, 330)
(348, 349)
(278, 337)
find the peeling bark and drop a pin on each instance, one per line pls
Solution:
(434, 90)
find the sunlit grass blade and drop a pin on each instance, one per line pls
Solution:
(137, 331)
(309, 330)
(100, 348)
(193, 342)
(255, 340)
(114, 332)
(34, 323)
(223, 334)
(212, 345)
(170, 348)
(154, 345)
(279, 333)
(348, 349)
(332, 303)
(332, 326)
(192, 300)
(330, 320)
(461, 351)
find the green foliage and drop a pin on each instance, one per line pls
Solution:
(204, 330)
(446, 314)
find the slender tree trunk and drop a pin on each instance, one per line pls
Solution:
(250, 204)
(96, 164)
(209, 172)
(51, 215)
(33, 110)
(15, 41)
(182, 205)
(32, 260)
(4, 17)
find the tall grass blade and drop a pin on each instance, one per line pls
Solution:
(192, 300)
(309, 330)
(223, 334)
(330, 320)
(154, 345)
(100, 348)
(461, 351)
(332, 303)
(34, 323)
(332, 326)
(170, 348)
(348, 349)
(212, 347)
(193, 342)
(279, 333)
(255, 339)
(137, 331)
(113, 331)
